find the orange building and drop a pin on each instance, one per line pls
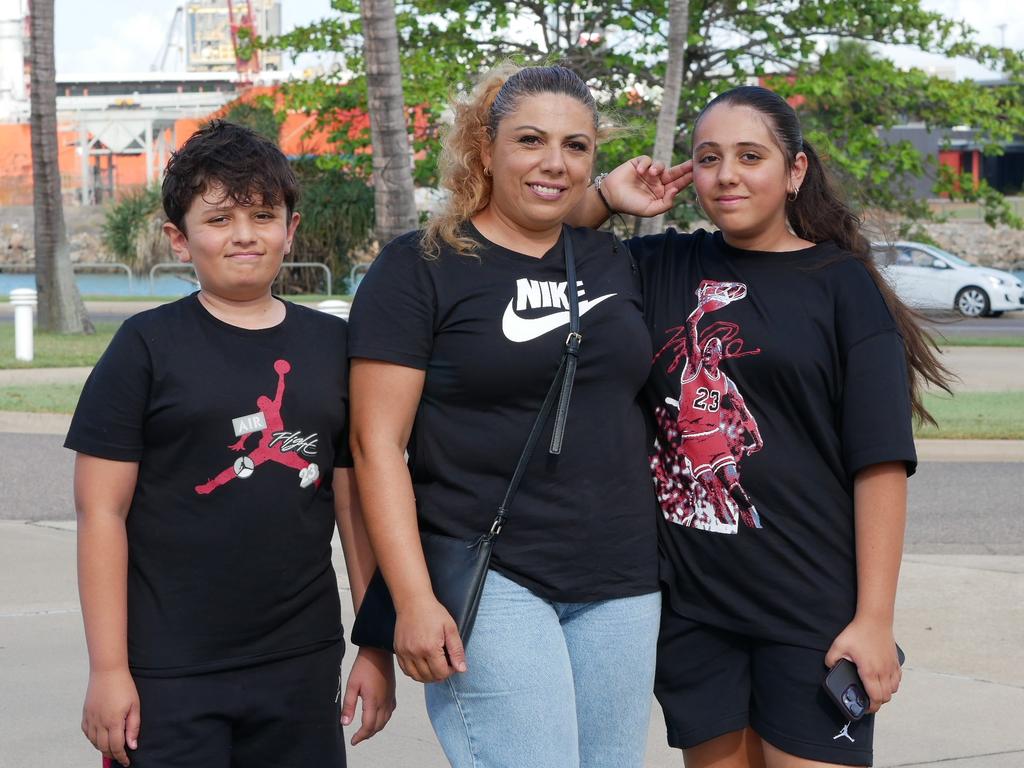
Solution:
(299, 135)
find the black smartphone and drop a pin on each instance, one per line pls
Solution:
(844, 687)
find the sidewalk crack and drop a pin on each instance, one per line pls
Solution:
(953, 759)
(966, 678)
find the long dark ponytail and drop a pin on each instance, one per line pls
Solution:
(819, 213)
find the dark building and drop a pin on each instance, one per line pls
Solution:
(958, 148)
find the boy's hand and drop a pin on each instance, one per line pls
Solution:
(869, 645)
(373, 679)
(110, 716)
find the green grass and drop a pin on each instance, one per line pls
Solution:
(114, 298)
(299, 297)
(55, 350)
(44, 398)
(970, 415)
(982, 341)
(111, 297)
(975, 415)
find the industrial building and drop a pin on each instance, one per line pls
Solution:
(208, 39)
(117, 131)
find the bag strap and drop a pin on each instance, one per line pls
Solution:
(560, 391)
(572, 346)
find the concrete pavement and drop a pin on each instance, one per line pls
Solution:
(960, 619)
(985, 369)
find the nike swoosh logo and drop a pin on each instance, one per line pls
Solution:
(521, 329)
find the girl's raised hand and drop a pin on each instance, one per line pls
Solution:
(643, 187)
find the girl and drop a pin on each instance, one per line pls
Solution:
(785, 377)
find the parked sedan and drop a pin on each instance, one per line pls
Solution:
(926, 277)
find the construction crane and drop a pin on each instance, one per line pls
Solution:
(160, 62)
(244, 20)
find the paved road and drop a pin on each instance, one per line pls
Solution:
(1010, 324)
(955, 508)
(961, 608)
(945, 323)
(960, 611)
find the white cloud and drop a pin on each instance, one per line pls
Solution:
(126, 35)
(118, 36)
(125, 41)
(994, 22)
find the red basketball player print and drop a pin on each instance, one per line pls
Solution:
(276, 444)
(696, 464)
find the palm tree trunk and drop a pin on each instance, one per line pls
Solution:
(394, 199)
(664, 138)
(60, 305)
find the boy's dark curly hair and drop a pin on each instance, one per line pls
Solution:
(250, 168)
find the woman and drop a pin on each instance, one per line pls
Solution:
(786, 373)
(455, 336)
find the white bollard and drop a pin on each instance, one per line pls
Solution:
(335, 307)
(24, 301)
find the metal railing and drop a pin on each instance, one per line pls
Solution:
(353, 276)
(78, 266)
(289, 264)
(313, 265)
(166, 268)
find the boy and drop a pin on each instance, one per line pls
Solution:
(212, 464)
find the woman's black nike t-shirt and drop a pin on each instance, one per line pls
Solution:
(489, 329)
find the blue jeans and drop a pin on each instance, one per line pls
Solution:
(550, 685)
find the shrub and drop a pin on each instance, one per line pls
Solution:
(337, 217)
(127, 219)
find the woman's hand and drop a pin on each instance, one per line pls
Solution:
(110, 716)
(427, 642)
(642, 187)
(372, 679)
(869, 645)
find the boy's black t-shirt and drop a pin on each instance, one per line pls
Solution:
(229, 531)
(489, 331)
(813, 367)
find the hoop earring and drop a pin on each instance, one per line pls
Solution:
(792, 195)
(487, 171)
(700, 208)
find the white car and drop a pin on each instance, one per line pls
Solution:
(926, 277)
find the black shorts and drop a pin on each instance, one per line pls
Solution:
(710, 682)
(282, 714)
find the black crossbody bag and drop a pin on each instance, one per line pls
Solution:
(458, 568)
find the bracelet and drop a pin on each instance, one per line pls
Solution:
(598, 181)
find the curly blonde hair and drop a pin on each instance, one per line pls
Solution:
(476, 118)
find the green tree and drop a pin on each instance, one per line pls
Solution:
(257, 114)
(393, 192)
(620, 48)
(337, 218)
(668, 112)
(60, 304)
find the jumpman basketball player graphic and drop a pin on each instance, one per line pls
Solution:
(704, 390)
(713, 430)
(275, 444)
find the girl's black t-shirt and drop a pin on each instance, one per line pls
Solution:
(810, 389)
(236, 433)
(489, 330)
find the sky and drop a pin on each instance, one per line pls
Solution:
(128, 34)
